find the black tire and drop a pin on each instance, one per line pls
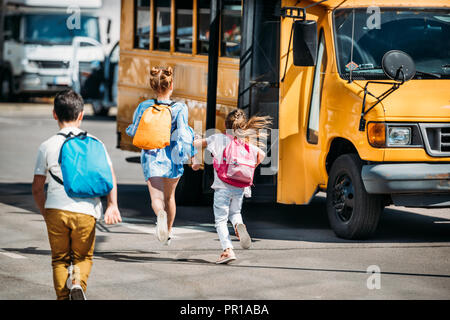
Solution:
(6, 87)
(352, 212)
(189, 188)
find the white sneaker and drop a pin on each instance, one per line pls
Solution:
(167, 242)
(244, 237)
(73, 283)
(77, 293)
(69, 282)
(162, 232)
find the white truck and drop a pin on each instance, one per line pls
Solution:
(50, 45)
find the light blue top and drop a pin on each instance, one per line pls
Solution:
(167, 162)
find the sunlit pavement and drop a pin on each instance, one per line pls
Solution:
(294, 254)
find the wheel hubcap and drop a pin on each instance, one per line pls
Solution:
(343, 197)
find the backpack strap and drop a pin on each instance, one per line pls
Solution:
(57, 179)
(70, 134)
(64, 135)
(164, 103)
(158, 103)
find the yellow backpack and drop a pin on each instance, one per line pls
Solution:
(154, 128)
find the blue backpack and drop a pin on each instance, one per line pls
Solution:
(85, 169)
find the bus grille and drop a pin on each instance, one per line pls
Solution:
(437, 138)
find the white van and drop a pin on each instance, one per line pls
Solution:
(50, 45)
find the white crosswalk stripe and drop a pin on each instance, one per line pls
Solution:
(12, 255)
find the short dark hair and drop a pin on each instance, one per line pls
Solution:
(68, 105)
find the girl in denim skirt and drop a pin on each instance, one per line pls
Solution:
(163, 167)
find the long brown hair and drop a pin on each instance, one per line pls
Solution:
(253, 130)
(161, 78)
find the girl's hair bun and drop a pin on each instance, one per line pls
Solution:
(161, 78)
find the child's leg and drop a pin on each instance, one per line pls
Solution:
(236, 220)
(222, 198)
(156, 190)
(83, 241)
(235, 209)
(170, 186)
(59, 238)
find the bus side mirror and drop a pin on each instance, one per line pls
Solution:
(398, 65)
(305, 43)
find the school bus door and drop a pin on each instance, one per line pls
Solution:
(258, 82)
(299, 173)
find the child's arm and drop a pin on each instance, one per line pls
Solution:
(112, 213)
(37, 188)
(260, 158)
(198, 143)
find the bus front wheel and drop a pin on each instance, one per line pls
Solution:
(352, 212)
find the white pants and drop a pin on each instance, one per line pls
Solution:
(227, 206)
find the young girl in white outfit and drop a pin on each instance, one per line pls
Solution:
(228, 198)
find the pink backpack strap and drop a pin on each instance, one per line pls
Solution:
(234, 138)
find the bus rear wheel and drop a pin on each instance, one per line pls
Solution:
(352, 212)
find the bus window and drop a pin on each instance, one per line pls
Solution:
(183, 18)
(142, 24)
(231, 28)
(314, 111)
(162, 25)
(204, 9)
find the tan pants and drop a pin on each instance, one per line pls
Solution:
(72, 238)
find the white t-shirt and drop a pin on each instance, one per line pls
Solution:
(57, 198)
(216, 143)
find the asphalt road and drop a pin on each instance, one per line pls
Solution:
(294, 254)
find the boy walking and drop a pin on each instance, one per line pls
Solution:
(70, 221)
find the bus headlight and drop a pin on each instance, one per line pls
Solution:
(398, 136)
(382, 135)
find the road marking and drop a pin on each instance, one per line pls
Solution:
(175, 230)
(12, 255)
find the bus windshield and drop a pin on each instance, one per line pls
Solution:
(424, 34)
(53, 29)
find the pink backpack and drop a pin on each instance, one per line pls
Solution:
(237, 165)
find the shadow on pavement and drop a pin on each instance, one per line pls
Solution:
(264, 221)
(143, 257)
(137, 256)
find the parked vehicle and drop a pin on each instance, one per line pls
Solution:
(50, 45)
(362, 109)
(98, 85)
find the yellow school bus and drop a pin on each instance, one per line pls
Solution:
(359, 94)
